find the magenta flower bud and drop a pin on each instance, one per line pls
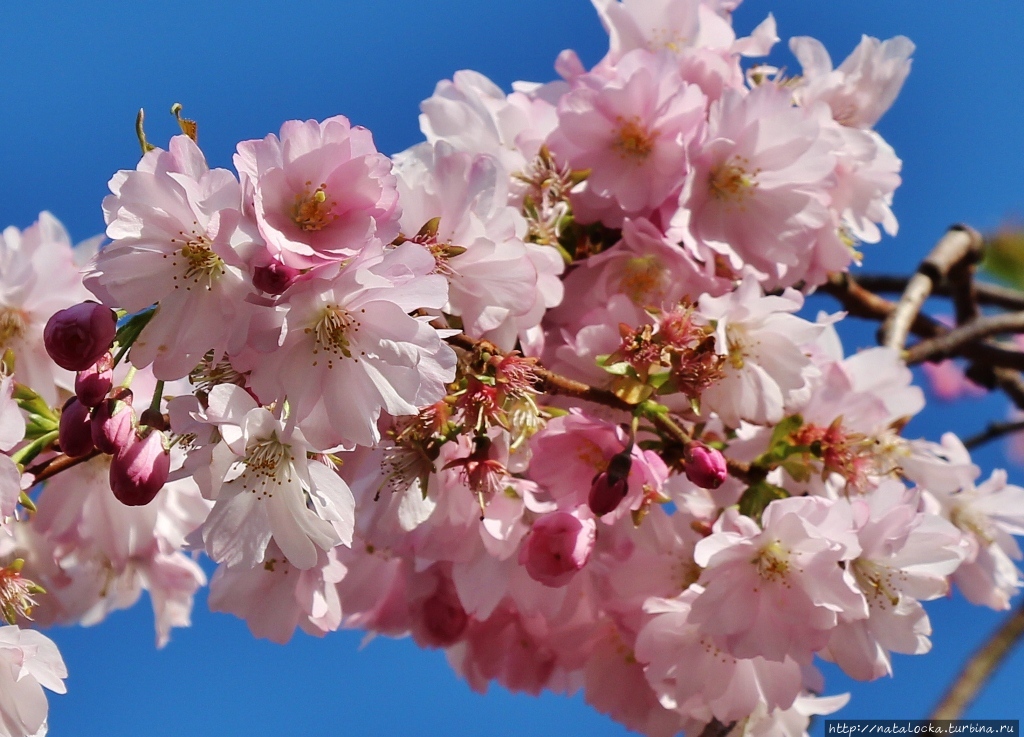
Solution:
(274, 278)
(610, 487)
(705, 466)
(77, 337)
(75, 430)
(559, 544)
(140, 469)
(93, 384)
(113, 422)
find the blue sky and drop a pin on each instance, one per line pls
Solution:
(73, 75)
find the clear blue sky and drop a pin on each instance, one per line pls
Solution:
(72, 76)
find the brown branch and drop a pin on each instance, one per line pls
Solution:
(986, 293)
(980, 667)
(994, 431)
(52, 466)
(553, 383)
(960, 245)
(956, 341)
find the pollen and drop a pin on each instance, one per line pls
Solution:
(202, 267)
(772, 562)
(643, 280)
(268, 465)
(333, 333)
(734, 180)
(634, 141)
(312, 211)
(12, 325)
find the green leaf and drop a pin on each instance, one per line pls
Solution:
(758, 496)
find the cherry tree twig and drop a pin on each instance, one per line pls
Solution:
(980, 667)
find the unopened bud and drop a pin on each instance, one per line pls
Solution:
(559, 545)
(140, 469)
(274, 278)
(76, 337)
(93, 383)
(705, 466)
(610, 487)
(75, 430)
(113, 422)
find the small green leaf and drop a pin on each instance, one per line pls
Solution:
(758, 496)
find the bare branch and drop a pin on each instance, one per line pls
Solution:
(995, 295)
(52, 466)
(980, 667)
(994, 431)
(960, 244)
(954, 342)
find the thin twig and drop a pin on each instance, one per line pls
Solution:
(553, 383)
(986, 293)
(994, 431)
(955, 341)
(980, 667)
(52, 466)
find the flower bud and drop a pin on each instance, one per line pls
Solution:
(77, 337)
(559, 544)
(705, 466)
(93, 383)
(140, 469)
(75, 430)
(113, 422)
(610, 487)
(274, 278)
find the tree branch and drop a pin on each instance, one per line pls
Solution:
(995, 295)
(994, 431)
(961, 244)
(956, 341)
(52, 466)
(553, 383)
(980, 667)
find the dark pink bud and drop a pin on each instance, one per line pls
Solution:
(75, 430)
(558, 546)
(274, 278)
(76, 337)
(113, 422)
(93, 384)
(610, 487)
(705, 466)
(140, 469)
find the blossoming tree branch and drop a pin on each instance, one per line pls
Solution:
(537, 391)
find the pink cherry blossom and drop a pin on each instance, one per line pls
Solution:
(758, 192)
(348, 349)
(778, 592)
(865, 84)
(177, 228)
(29, 661)
(320, 192)
(631, 131)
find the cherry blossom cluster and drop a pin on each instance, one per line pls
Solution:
(539, 391)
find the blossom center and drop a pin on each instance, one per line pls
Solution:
(312, 211)
(12, 325)
(733, 181)
(634, 141)
(332, 333)
(202, 266)
(971, 521)
(268, 465)
(876, 583)
(772, 561)
(643, 280)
